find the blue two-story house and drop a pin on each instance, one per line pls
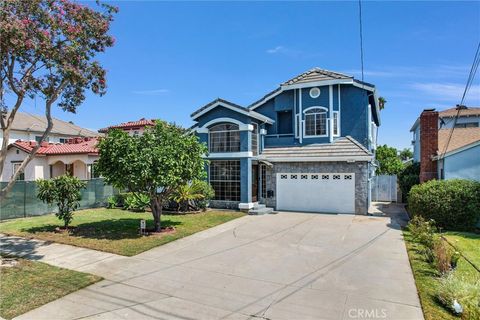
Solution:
(306, 146)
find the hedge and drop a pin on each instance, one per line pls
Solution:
(453, 204)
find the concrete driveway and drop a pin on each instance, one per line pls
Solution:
(283, 266)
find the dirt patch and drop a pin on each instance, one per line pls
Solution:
(163, 232)
(65, 230)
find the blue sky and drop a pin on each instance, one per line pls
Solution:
(171, 58)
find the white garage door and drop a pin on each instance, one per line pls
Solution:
(316, 192)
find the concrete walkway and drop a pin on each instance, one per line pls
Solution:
(284, 266)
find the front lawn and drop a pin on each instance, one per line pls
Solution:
(115, 230)
(426, 276)
(30, 284)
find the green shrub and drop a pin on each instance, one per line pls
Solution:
(65, 192)
(193, 196)
(423, 232)
(407, 178)
(453, 204)
(136, 202)
(111, 202)
(467, 293)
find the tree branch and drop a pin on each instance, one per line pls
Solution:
(48, 107)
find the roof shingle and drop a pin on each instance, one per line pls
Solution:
(461, 137)
(131, 124)
(73, 146)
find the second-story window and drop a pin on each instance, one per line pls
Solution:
(316, 122)
(224, 137)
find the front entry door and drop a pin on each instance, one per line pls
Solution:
(254, 182)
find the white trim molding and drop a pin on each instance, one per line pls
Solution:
(241, 126)
(249, 113)
(241, 154)
(319, 159)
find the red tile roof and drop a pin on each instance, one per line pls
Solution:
(73, 146)
(130, 124)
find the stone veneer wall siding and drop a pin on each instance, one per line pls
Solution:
(222, 204)
(360, 169)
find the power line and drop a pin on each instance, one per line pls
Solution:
(361, 34)
(460, 107)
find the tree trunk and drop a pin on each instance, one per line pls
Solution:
(157, 213)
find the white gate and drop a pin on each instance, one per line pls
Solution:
(384, 188)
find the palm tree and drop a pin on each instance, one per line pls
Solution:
(381, 102)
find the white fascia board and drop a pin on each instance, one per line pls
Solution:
(316, 84)
(241, 154)
(317, 159)
(255, 115)
(415, 125)
(468, 146)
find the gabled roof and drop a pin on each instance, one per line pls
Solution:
(461, 137)
(130, 124)
(452, 112)
(232, 106)
(319, 77)
(73, 146)
(342, 149)
(24, 121)
(316, 74)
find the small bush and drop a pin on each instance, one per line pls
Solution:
(136, 202)
(192, 196)
(453, 204)
(423, 231)
(111, 202)
(407, 178)
(445, 257)
(453, 288)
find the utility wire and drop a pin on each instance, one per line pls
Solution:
(361, 34)
(460, 107)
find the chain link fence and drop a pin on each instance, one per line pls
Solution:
(22, 200)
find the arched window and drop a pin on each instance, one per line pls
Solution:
(315, 121)
(224, 137)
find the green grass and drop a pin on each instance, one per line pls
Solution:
(467, 243)
(426, 276)
(30, 284)
(115, 230)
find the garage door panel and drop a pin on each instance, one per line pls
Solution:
(316, 192)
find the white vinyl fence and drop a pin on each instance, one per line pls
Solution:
(384, 188)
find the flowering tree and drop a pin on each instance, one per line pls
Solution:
(156, 163)
(47, 49)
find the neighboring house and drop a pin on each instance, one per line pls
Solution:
(447, 143)
(306, 146)
(132, 127)
(30, 127)
(75, 157)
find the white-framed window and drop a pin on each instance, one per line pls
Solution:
(16, 166)
(336, 123)
(315, 122)
(314, 93)
(224, 137)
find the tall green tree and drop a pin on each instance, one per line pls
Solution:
(406, 154)
(48, 50)
(389, 162)
(64, 191)
(156, 163)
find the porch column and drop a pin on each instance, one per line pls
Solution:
(245, 183)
